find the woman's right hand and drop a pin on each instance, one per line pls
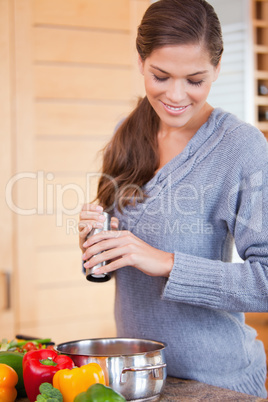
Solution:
(90, 218)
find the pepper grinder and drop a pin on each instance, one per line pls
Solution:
(90, 276)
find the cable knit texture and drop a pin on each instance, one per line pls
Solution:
(211, 195)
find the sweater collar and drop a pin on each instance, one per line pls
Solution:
(202, 143)
(194, 146)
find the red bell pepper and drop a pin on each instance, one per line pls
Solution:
(40, 366)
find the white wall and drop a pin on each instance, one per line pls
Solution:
(233, 91)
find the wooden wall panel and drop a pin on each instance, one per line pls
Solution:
(21, 194)
(70, 69)
(85, 82)
(74, 312)
(83, 87)
(80, 310)
(72, 329)
(78, 46)
(74, 83)
(259, 321)
(62, 191)
(70, 155)
(62, 265)
(105, 15)
(23, 148)
(6, 136)
(66, 191)
(58, 230)
(59, 203)
(137, 9)
(64, 302)
(78, 119)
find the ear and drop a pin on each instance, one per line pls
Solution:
(141, 64)
(217, 71)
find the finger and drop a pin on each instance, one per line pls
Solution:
(86, 226)
(108, 255)
(99, 247)
(112, 266)
(98, 243)
(83, 226)
(83, 232)
(114, 223)
(92, 207)
(115, 264)
(92, 215)
(109, 234)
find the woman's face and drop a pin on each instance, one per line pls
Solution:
(177, 82)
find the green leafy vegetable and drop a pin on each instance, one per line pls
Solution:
(12, 345)
(99, 393)
(48, 393)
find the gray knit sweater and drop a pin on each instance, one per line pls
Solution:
(212, 194)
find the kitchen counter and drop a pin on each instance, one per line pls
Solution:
(186, 390)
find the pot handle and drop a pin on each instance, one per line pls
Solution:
(155, 369)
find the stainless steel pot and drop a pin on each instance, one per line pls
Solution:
(134, 367)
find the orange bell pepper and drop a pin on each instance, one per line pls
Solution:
(8, 381)
(72, 382)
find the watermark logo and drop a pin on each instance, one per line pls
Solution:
(245, 202)
(189, 204)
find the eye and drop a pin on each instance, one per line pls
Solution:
(195, 83)
(159, 79)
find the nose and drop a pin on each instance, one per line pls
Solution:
(175, 92)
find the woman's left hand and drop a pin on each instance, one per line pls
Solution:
(122, 249)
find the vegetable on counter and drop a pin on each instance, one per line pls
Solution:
(24, 345)
(40, 366)
(99, 393)
(48, 393)
(8, 381)
(14, 360)
(79, 379)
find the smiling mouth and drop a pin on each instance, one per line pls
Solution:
(173, 108)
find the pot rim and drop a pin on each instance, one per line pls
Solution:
(160, 346)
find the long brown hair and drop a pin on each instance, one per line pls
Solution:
(131, 158)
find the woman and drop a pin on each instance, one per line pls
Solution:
(185, 181)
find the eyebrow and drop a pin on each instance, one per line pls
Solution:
(189, 75)
(198, 72)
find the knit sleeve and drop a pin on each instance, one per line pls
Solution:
(231, 286)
